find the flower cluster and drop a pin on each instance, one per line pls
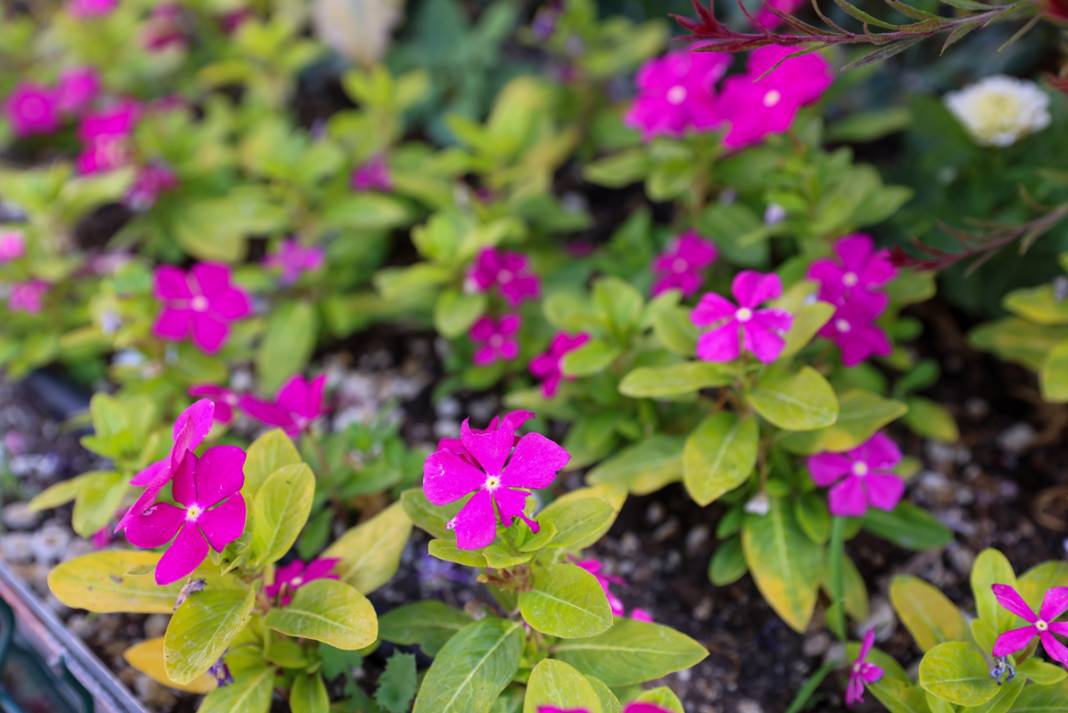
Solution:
(27, 296)
(853, 283)
(372, 176)
(199, 304)
(296, 406)
(294, 259)
(862, 672)
(760, 330)
(677, 93)
(860, 478)
(499, 469)
(291, 577)
(38, 109)
(507, 272)
(682, 266)
(105, 137)
(547, 365)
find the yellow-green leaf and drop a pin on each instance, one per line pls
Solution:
(797, 401)
(565, 600)
(328, 611)
(147, 657)
(280, 510)
(956, 671)
(370, 552)
(555, 683)
(927, 613)
(860, 414)
(268, 453)
(249, 693)
(202, 629)
(719, 456)
(113, 581)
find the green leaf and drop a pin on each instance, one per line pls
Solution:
(860, 414)
(62, 492)
(674, 380)
(268, 453)
(869, 125)
(288, 341)
(202, 629)
(113, 581)
(930, 420)
(565, 600)
(812, 515)
(251, 692)
(673, 328)
(620, 305)
(1002, 702)
(728, 563)
(956, 671)
(448, 551)
(990, 568)
(928, 615)
(578, 519)
(1041, 672)
(609, 702)
(216, 228)
(455, 312)
(899, 695)
(592, 357)
(1035, 582)
(427, 517)
(555, 683)
(908, 526)
(308, 694)
(328, 611)
(631, 652)
(799, 401)
(719, 456)
(786, 565)
(397, 684)
(280, 510)
(147, 657)
(808, 319)
(366, 212)
(1054, 374)
(663, 697)
(1042, 699)
(370, 552)
(1038, 304)
(427, 624)
(472, 669)
(618, 170)
(644, 467)
(96, 504)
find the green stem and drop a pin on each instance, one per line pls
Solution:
(836, 566)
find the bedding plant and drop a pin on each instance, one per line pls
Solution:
(685, 264)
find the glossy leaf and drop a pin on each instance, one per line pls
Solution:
(719, 456)
(202, 629)
(280, 510)
(927, 613)
(113, 581)
(798, 401)
(956, 671)
(328, 611)
(370, 552)
(555, 683)
(565, 600)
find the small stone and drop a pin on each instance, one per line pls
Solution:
(155, 626)
(695, 539)
(1018, 438)
(758, 504)
(654, 513)
(49, 543)
(17, 548)
(748, 706)
(18, 516)
(703, 610)
(816, 644)
(666, 531)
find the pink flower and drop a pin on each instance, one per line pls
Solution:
(769, 20)
(754, 107)
(501, 473)
(856, 276)
(12, 246)
(1044, 626)
(681, 267)
(76, 90)
(372, 176)
(91, 8)
(210, 511)
(514, 419)
(101, 538)
(547, 365)
(861, 477)
(291, 577)
(596, 568)
(27, 296)
(32, 109)
(507, 271)
(495, 339)
(165, 27)
(293, 259)
(105, 138)
(862, 672)
(152, 180)
(224, 400)
(200, 304)
(188, 432)
(637, 707)
(297, 405)
(856, 334)
(760, 329)
(676, 93)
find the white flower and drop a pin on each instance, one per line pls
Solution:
(1000, 110)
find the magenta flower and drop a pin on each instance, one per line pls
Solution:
(754, 106)
(676, 93)
(152, 181)
(501, 474)
(91, 8)
(495, 339)
(547, 365)
(1044, 626)
(297, 405)
(165, 27)
(861, 477)
(76, 90)
(372, 176)
(200, 304)
(768, 20)
(761, 330)
(27, 296)
(224, 400)
(856, 276)
(189, 431)
(293, 259)
(105, 138)
(514, 419)
(681, 267)
(862, 672)
(291, 577)
(509, 272)
(210, 511)
(856, 334)
(32, 109)
(12, 246)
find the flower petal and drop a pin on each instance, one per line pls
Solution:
(826, 468)
(1054, 604)
(1056, 650)
(447, 477)
(173, 324)
(225, 522)
(220, 473)
(490, 447)
(231, 304)
(171, 284)
(184, 556)
(752, 288)
(884, 491)
(1011, 600)
(848, 499)
(183, 486)
(192, 426)
(765, 344)
(711, 309)
(866, 644)
(534, 463)
(156, 526)
(209, 332)
(870, 673)
(213, 278)
(854, 251)
(721, 344)
(510, 503)
(476, 524)
(150, 473)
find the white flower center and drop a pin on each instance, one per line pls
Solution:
(496, 341)
(492, 482)
(296, 581)
(504, 277)
(193, 513)
(679, 265)
(676, 95)
(1041, 625)
(850, 279)
(744, 314)
(860, 469)
(772, 98)
(858, 666)
(199, 303)
(842, 325)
